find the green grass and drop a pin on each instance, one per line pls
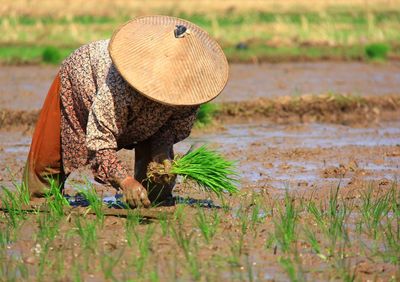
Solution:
(19, 54)
(51, 55)
(377, 51)
(269, 36)
(206, 114)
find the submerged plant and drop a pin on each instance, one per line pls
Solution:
(204, 166)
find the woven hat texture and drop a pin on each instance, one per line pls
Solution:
(169, 60)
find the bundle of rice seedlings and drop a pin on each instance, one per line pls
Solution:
(204, 166)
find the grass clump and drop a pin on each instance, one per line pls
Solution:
(204, 166)
(206, 114)
(377, 51)
(51, 55)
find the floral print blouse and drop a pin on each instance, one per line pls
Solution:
(101, 113)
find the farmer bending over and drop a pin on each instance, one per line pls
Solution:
(139, 90)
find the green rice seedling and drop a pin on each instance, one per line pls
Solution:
(373, 209)
(193, 262)
(342, 264)
(182, 238)
(43, 260)
(153, 276)
(377, 51)
(285, 226)
(250, 274)
(132, 220)
(13, 269)
(59, 264)
(143, 244)
(87, 232)
(204, 166)
(22, 192)
(163, 220)
(257, 214)
(77, 272)
(237, 244)
(208, 226)
(290, 268)
(12, 204)
(51, 55)
(95, 202)
(390, 228)
(206, 114)
(108, 262)
(5, 237)
(55, 199)
(332, 220)
(179, 214)
(185, 242)
(313, 241)
(48, 228)
(391, 245)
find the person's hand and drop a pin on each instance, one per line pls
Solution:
(135, 195)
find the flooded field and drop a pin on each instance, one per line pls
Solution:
(25, 87)
(317, 201)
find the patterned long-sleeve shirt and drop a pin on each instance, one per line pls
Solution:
(101, 113)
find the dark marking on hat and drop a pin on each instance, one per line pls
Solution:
(180, 31)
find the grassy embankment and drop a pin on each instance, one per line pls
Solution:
(246, 35)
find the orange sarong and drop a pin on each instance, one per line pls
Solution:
(44, 160)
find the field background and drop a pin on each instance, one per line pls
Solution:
(247, 30)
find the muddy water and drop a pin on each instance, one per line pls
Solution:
(24, 87)
(289, 156)
(279, 156)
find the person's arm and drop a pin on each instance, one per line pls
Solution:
(107, 117)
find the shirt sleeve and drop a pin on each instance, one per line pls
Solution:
(107, 118)
(176, 129)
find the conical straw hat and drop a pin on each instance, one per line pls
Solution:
(169, 60)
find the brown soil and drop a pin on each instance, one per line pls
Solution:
(343, 109)
(306, 145)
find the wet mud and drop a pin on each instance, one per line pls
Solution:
(304, 146)
(25, 87)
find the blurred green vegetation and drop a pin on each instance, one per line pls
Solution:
(206, 114)
(377, 51)
(245, 36)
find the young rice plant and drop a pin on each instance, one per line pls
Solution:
(204, 166)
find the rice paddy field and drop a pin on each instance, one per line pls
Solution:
(263, 30)
(310, 119)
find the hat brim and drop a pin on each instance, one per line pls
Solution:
(189, 70)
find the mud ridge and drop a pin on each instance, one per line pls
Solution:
(331, 108)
